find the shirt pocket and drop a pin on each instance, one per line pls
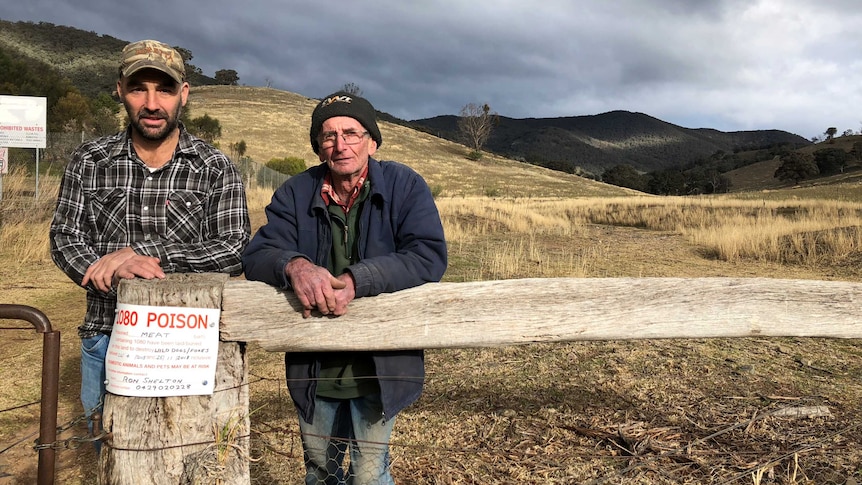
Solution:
(185, 216)
(109, 212)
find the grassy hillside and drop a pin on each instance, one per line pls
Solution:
(87, 59)
(275, 123)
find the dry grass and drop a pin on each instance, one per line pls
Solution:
(24, 216)
(646, 412)
(800, 232)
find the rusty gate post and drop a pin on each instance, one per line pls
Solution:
(50, 385)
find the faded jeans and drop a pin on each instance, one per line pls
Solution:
(93, 351)
(338, 422)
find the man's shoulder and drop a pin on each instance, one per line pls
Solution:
(317, 172)
(102, 148)
(105, 141)
(308, 180)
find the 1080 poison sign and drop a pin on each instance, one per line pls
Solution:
(159, 351)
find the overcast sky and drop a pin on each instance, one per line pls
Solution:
(794, 65)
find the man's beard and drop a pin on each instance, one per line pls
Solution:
(155, 134)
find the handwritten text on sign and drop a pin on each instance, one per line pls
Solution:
(158, 351)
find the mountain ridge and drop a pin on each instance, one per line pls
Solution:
(604, 140)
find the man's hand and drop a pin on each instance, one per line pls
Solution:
(345, 295)
(124, 263)
(317, 288)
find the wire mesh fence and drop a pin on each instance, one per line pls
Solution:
(257, 175)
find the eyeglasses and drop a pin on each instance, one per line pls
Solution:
(350, 138)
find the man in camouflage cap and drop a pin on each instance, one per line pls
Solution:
(149, 200)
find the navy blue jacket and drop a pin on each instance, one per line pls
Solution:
(401, 245)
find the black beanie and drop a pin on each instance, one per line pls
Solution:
(344, 104)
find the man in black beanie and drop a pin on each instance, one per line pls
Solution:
(350, 227)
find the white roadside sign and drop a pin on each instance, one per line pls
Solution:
(23, 121)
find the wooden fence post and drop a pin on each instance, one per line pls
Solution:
(188, 439)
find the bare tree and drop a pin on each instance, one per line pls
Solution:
(475, 123)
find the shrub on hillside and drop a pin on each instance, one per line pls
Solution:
(205, 127)
(287, 165)
(796, 166)
(625, 175)
(831, 161)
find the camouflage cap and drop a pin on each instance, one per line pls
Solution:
(154, 55)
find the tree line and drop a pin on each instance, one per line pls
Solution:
(708, 176)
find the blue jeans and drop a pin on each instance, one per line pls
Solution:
(93, 351)
(338, 423)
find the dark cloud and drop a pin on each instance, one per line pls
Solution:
(729, 64)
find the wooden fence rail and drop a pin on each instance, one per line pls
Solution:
(173, 438)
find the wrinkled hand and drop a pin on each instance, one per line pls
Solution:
(344, 295)
(315, 287)
(124, 263)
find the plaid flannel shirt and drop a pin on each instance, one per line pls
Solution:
(191, 214)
